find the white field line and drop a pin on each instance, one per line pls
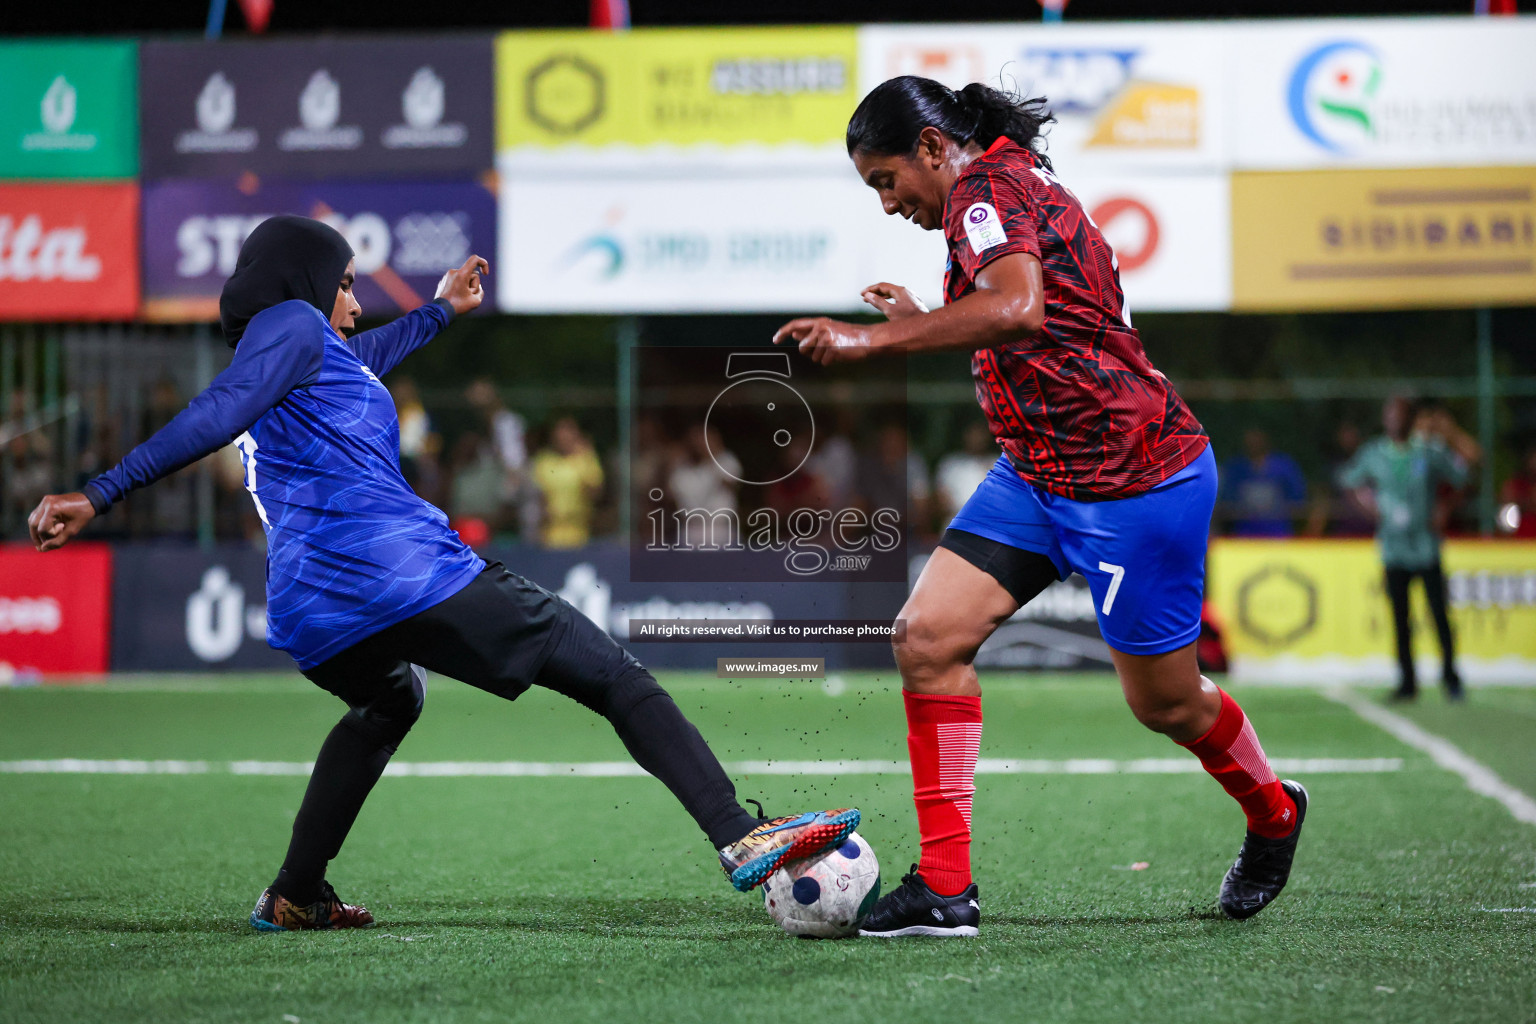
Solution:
(626, 769)
(1478, 777)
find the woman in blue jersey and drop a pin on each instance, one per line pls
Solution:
(366, 584)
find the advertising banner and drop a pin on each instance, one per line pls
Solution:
(813, 243)
(708, 244)
(1125, 96)
(68, 109)
(1400, 92)
(351, 108)
(69, 252)
(1318, 610)
(185, 609)
(54, 609)
(1384, 238)
(405, 235)
(674, 95)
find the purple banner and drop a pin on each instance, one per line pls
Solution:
(354, 108)
(405, 234)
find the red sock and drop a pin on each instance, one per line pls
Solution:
(1231, 753)
(944, 739)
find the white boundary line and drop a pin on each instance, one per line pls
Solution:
(1478, 777)
(628, 769)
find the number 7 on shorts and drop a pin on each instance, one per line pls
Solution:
(1118, 574)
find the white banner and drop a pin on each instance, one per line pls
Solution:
(1431, 92)
(780, 244)
(811, 244)
(1125, 96)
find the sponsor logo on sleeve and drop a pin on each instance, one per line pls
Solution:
(983, 228)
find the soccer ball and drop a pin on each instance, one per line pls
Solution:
(826, 896)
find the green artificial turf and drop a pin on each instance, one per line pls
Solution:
(124, 898)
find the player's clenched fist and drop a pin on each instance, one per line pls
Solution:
(57, 518)
(461, 286)
(826, 341)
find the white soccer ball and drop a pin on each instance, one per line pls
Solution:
(826, 896)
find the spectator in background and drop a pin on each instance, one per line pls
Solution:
(1399, 475)
(419, 446)
(958, 474)
(1339, 513)
(835, 460)
(705, 476)
(1434, 422)
(1517, 498)
(570, 479)
(1262, 491)
(476, 488)
(504, 430)
(894, 476)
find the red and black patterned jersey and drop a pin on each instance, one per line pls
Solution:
(1077, 408)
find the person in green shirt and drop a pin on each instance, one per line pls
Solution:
(1398, 476)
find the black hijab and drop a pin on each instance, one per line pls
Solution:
(286, 257)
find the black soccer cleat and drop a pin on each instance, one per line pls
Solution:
(914, 909)
(1263, 865)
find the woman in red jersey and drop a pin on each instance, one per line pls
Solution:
(1104, 471)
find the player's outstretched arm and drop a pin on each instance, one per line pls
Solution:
(460, 291)
(274, 357)
(1007, 305)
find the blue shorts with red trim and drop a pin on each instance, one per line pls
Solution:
(1143, 557)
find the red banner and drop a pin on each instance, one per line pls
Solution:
(54, 609)
(69, 252)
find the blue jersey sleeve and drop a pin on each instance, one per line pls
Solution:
(282, 349)
(383, 348)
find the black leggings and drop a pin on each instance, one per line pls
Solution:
(1398, 581)
(502, 634)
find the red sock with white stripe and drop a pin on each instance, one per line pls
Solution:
(1230, 751)
(944, 739)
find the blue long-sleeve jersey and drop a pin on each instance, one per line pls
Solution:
(351, 549)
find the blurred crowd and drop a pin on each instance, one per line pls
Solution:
(500, 477)
(1265, 494)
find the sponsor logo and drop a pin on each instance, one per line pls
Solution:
(57, 113)
(612, 252)
(319, 112)
(422, 105)
(774, 76)
(953, 65)
(1128, 112)
(983, 228)
(421, 242)
(565, 95)
(216, 131)
(1332, 93)
(30, 615)
(218, 620)
(1078, 81)
(30, 252)
(1131, 228)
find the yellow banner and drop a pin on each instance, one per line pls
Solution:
(1324, 602)
(678, 87)
(1385, 238)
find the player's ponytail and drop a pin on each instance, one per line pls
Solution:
(890, 118)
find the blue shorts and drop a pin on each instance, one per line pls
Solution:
(1143, 557)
